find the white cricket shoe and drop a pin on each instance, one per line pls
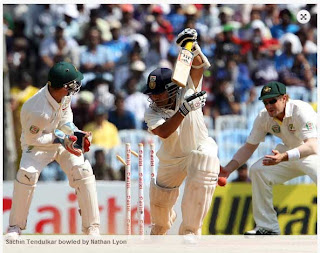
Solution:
(190, 238)
(13, 232)
(93, 231)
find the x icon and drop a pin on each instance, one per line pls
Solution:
(303, 16)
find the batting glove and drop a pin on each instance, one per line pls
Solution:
(187, 35)
(193, 102)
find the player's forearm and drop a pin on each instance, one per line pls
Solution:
(242, 155)
(231, 166)
(309, 147)
(167, 128)
(196, 74)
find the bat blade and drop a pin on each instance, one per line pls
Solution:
(183, 65)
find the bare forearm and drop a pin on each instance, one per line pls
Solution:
(232, 166)
(196, 74)
(167, 128)
(242, 155)
(309, 147)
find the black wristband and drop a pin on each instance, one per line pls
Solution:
(183, 110)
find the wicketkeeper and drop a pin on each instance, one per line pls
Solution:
(175, 115)
(48, 134)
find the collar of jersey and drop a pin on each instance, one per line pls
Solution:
(288, 112)
(289, 109)
(51, 100)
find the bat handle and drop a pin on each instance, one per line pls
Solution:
(189, 45)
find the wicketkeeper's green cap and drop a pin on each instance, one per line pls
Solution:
(272, 89)
(62, 73)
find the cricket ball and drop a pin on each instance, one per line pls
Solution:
(222, 181)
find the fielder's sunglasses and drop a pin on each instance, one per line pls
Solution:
(271, 102)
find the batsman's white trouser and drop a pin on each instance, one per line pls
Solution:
(80, 177)
(201, 168)
(264, 177)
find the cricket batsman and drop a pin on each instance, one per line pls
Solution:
(48, 134)
(187, 152)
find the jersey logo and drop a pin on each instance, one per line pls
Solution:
(34, 129)
(309, 125)
(291, 128)
(276, 128)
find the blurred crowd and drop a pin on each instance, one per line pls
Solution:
(116, 46)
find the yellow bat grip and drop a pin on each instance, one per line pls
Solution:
(189, 46)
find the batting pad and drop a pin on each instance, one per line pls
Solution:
(201, 182)
(162, 201)
(88, 202)
(21, 200)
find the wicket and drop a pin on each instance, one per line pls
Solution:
(127, 164)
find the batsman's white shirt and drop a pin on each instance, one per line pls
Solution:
(299, 123)
(40, 116)
(188, 136)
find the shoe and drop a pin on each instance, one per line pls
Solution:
(261, 231)
(13, 232)
(93, 231)
(190, 238)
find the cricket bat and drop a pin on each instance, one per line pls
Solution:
(183, 65)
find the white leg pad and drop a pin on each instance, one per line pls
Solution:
(162, 201)
(21, 200)
(84, 183)
(201, 182)
(88, 202)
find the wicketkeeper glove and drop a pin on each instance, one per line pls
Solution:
(187, 35)
(193, 102)
(83, 140)
(68, 142)
(74, 140)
